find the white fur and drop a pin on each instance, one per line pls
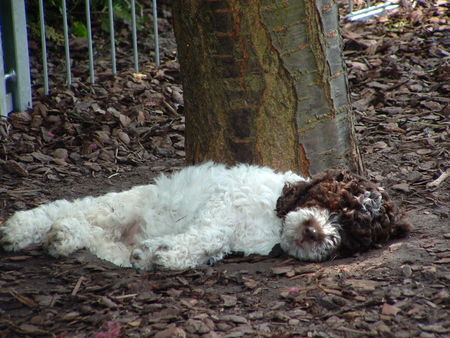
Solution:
(196, 215)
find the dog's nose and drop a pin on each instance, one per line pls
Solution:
(311, 233)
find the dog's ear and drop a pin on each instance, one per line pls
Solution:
(290, 197)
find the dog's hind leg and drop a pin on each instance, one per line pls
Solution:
(112, 213)
(67, 235)
(31, 226)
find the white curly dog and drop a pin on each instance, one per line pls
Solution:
(193, 216)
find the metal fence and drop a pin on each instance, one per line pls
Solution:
(15, 85)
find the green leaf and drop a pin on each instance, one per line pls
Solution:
(79, 29)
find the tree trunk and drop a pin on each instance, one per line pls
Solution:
(264, 83)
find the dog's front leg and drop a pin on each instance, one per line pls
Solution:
(199, 245)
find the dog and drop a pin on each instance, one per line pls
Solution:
(201, 213)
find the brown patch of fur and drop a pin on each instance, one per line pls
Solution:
(130, 233)
(338, 192)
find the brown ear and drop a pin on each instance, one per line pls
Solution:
(290, 197)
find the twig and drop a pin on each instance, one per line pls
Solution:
(131, 295)
(358, 332)
(77, 286)
(34, 331)
(369, 303)
(171, 109)
(23, 299)
(398, 84)
(439, 180)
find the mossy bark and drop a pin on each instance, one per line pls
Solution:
(264, 83)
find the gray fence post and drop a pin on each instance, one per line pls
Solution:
(15, 86)
(5, 98)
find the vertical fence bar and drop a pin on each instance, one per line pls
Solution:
(43, 45)
(21, 86)
(91, 53)
(134, 35)
(4, 106)
(66, 44)
(156, 33)
(111, 36)
(15, 55)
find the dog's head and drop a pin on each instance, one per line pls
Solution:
(336, 214)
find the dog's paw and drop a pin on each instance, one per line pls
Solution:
(8, 240)
(17, 233)
(159, 255)
(148, 255)
(60, 240)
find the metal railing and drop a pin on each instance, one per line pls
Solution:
(90, 40)
(369, 11)
(15, 85)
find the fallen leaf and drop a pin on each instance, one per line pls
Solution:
(14, 167)
(196, 326)
(107, 302)
(434, 328)
(70, 316)
(228, 301)
(352, 314)
(32, 330)
(124, 120)
(389, 310)
(173, 332)
(281, 270)
(135, 323)
(17, 258)
(444, 260)
(234, 319)
(23, 299)
(250, 283)
(403, 187)
(363, 284)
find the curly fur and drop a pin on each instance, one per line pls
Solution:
(362, 213)
(200, 214)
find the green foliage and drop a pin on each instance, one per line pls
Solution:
(51, 33)
(76, 14)
(79, 29)
(122, 13)
(54, 36)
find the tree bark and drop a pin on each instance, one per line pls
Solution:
(264, 83)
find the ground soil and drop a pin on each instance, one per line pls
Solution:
(400, 290)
